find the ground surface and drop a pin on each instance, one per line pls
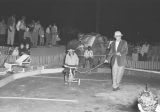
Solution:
(93, 95)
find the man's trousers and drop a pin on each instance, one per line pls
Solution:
(117, 74)
(10, 39)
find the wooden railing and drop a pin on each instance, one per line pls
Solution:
(147, 65)
(38, 60)
(59, 60)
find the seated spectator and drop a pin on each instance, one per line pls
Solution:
(27, 49)
(25, 57)
(9, 51)
(15, 52)
(21, 50)
(88, 54)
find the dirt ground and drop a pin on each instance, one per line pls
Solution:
(94, 94)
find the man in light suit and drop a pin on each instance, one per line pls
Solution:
(117, 58)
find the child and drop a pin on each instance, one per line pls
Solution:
(25, 57)
(88, 54)
(27, 36)
(21, 50)
(15, 52)
(27, 49)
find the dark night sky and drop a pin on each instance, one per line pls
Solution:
(137, 19)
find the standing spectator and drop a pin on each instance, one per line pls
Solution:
(11, 20)
(41, 36)
(11, 30)
(27, 36)
(144, 51)
(35, 33)
(54, 34)
(32, 26)
(48, 35)
(21, 27)
(88, 54)
(117, 55)
(3, 28)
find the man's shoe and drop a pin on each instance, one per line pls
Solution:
(116, 89)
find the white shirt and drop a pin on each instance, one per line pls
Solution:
(88, 54)
(72, 60)
(48, 30)
(116, 45)
(110, 44)
(20, 25)
(144, 49)
(15, 53)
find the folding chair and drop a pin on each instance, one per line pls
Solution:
(20, 62)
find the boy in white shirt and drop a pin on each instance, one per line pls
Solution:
(88, 54)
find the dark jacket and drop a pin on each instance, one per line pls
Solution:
(27, 51)
(123, 49)
(21, 51)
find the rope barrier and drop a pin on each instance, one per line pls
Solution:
(90, 69)
(133, 69)
(94, 67)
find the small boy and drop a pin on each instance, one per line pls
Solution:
(21, 49)
(88, 55)
(27, 49)
(15, 52)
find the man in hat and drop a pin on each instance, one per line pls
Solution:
(71, 62)
(71, 58)
(117, 58)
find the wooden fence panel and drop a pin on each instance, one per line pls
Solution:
(59, 60)
(148, 65)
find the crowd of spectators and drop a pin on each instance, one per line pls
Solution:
(15, 31)
(17, 50)
(17, 36)
(144, 52)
